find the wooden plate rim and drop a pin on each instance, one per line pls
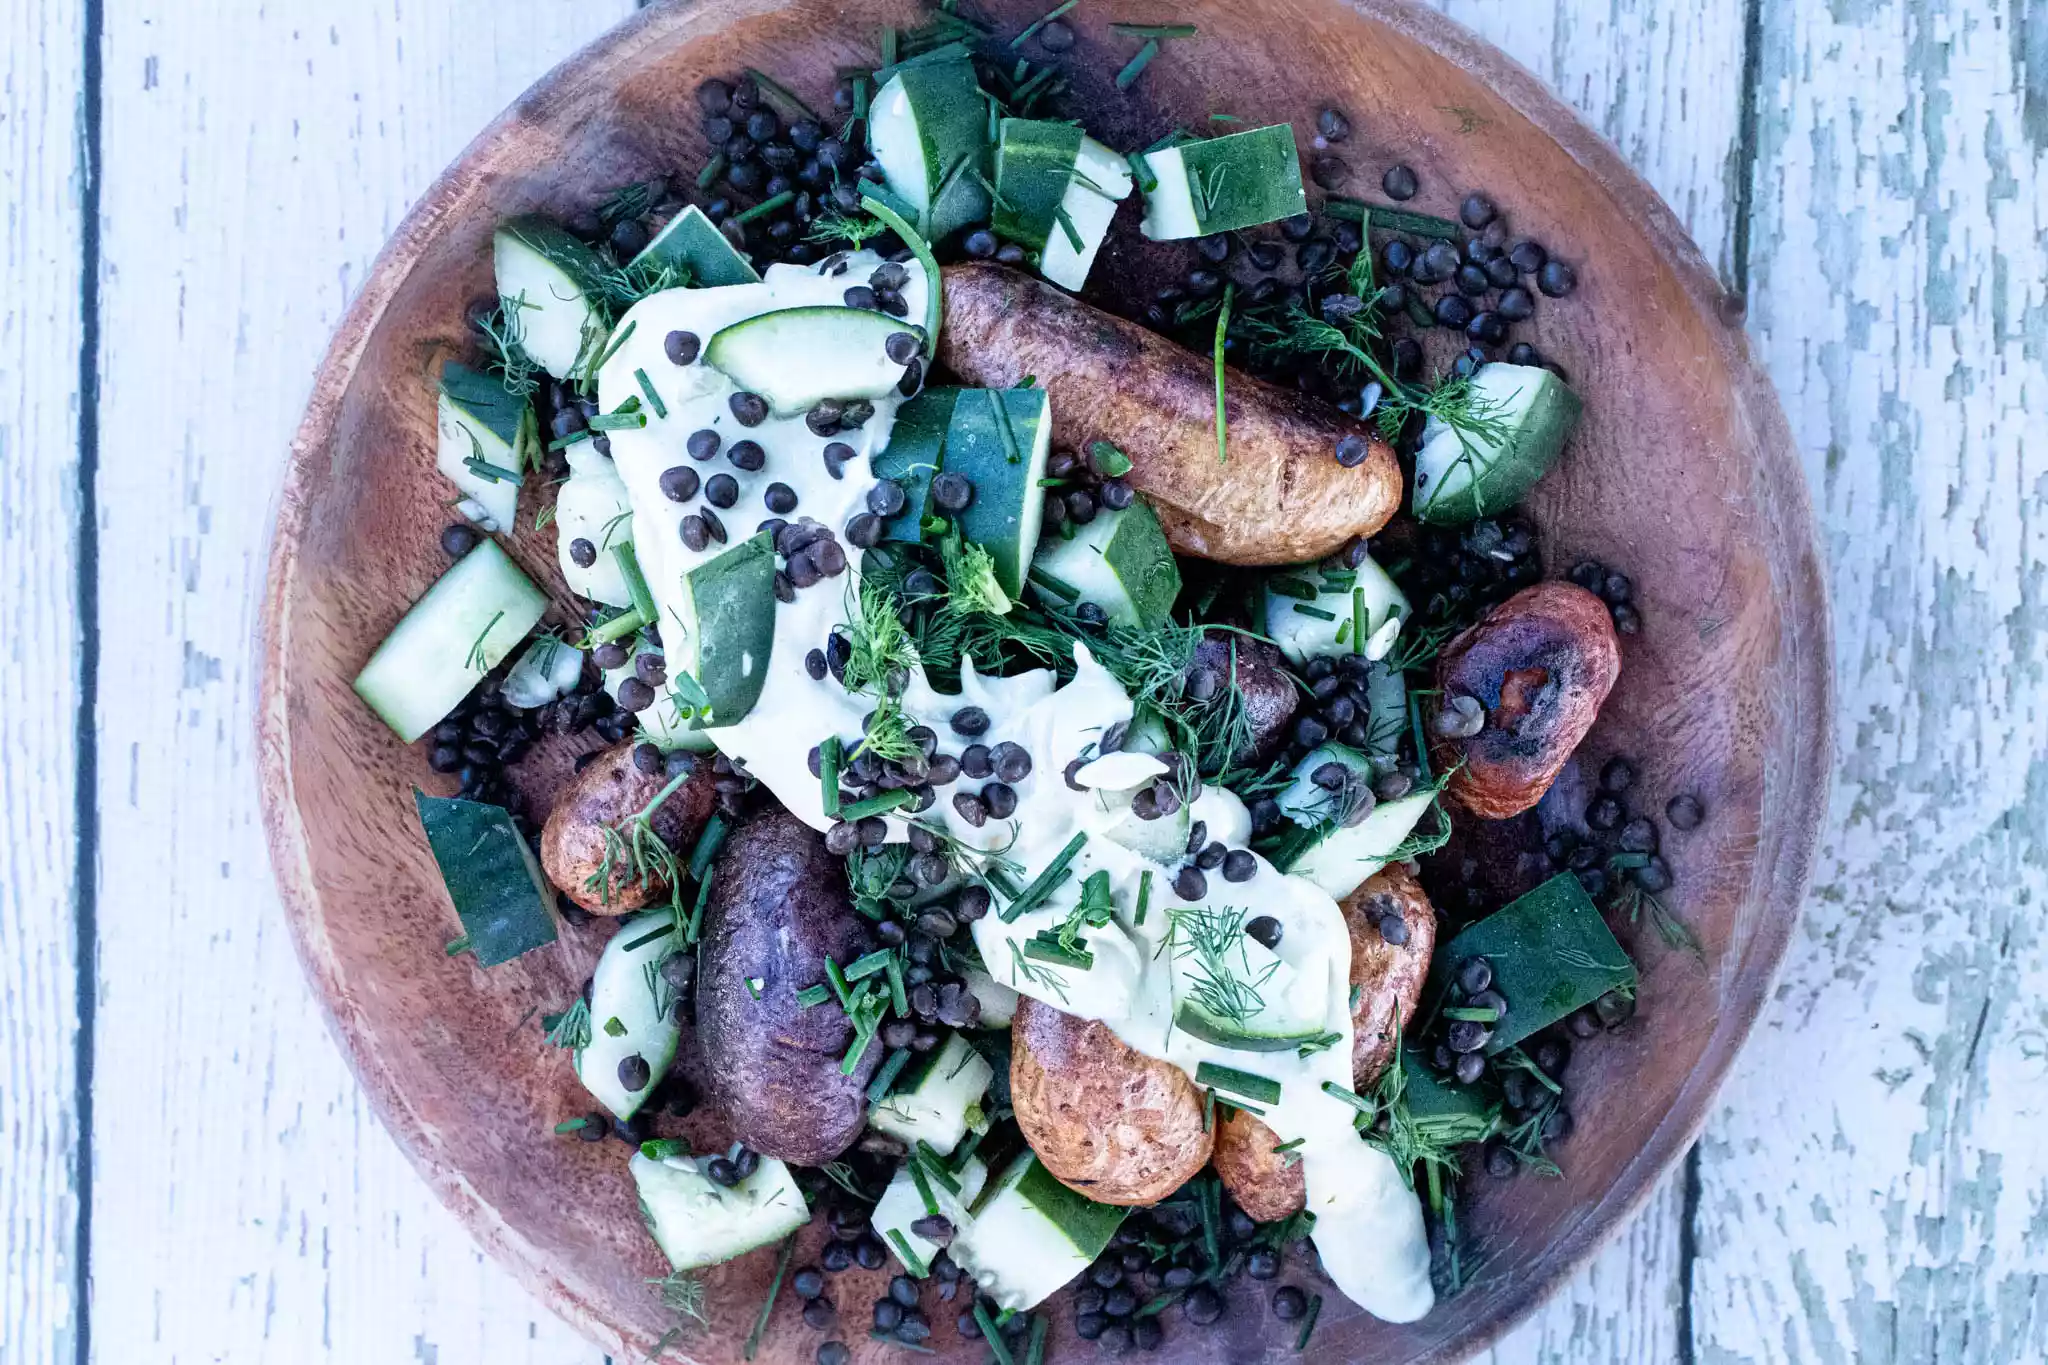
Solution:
(1795, 794)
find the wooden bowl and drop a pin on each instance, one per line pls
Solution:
(1682, 474)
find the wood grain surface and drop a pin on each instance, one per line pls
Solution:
(1895, 158)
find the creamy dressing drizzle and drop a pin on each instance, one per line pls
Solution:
(1368, 1223)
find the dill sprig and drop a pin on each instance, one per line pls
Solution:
(571, 1028)
(633, 845)
(1213, 938)
(854, 229)
(508, 358)
(1412, 1140)
(627, 284)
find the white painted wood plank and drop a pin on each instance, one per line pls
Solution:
(1875, 1187)
(1663, 82)
(248, 1207)
(41, 75)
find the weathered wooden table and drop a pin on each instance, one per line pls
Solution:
(192, 190)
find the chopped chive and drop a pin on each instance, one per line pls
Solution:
(1358, 1102)
(1053, 583)
(611, 349)
(1041, 21)
(863, 1039)
(1304, 609)
(1042, 885)
(1208, 1111)
(889, 48)
(754, 985)
(910, 1259)
(836, 979)
(707, 845)
(924, 1187)
(1357, 992)
(784, 93)
(713, 169)
(1222, 327)
(1011, 451)
(653, 398)
(1066, 222)
(618, 421)
(636, 581)
(697, 911)
(618, 628)
(571, 439)
(765, 207)
(863, 967)
(828, 773)
(996, 1345)
(496, 473)
(1039, 950)
(1343, 630)
(935, 1165)
(1358, 620)
(1034, 1353)
(571, 1126)
(1154, 30)
(645, 939)
(1136, 66)
(1383, 218)
(812, 996)
(1472, 1014)
(1308, 1324)
(1141, 171)
(886, 1074)
(877, 1334)
(1232, 1081)
(1298, 588)
(1159, 1305)
(658, 1149)
(457, 946)
(881, 803)
(922, 250)
(1144, 898)
(774, 1288)
(899, 998)
(1113, 463)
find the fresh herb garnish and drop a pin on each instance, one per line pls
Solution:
(768, 1305)
(1222, 331)
(1221, 981)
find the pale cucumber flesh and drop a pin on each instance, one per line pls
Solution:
(795, 357)
(626, 1014)
(1300, 626)
(697, 1223)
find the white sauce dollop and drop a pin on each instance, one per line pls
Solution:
(1368, 1223)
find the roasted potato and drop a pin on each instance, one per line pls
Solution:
(1389, 976)
(1262, 1181)
(1120, 1127)
(1281, 498)
(1540, 664)
(778, 909)
(1269, 693)
(605, 793)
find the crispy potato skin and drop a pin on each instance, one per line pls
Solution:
(1389, 981)
(1116, 1125)
(606, 792)
(1281, 498)
(778, 909)
(1261, 1182)
(1541, 663)
(1389, 978)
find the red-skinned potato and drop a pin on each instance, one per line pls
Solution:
(1539, 665)
(609, 790)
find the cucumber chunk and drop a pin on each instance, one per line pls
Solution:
(1305, 627)
(551, 286)
(999, 439)
(727, 634)
(484, 436)
(1222, 184)
(1552, 953)
(1030, 1235)
(464, 626)
(917, 444)
(692, 243)
(632, 1013)
(1336, 857)
(1121, 562)
(697, 1223)
(547, 671)
(593, 506)
(1463, 477)
(794, 357)
(1292, 1005)
(928, 127)
(903, 1203)
(1056, 191)
(933, 1096)
(500, 893)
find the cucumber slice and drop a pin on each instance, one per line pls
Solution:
(1030, 1235)
(1309, 805)
(1222, 184)
(933, 1096)
(697, 1223)
(1343, 858)
(903, 1203)
(999, 439)
(692, 242)
(1056, 191)
(632, 1013)
(727, 610)
(917, 444)
(484, 436)
(1121, 562)
(548, 670)
(1460, 478)
(795, 356)
(1298, 624)
(593, 506)
(1292, 1005)
(464, 626)
(928, 127)
(1551, 953)
(500, 893)
(552, 286)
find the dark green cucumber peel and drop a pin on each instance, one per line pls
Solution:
(733, 606)
(483, 398)
(692, 242)
(917, 444)
(1244, 179)
(1143, 562)
(496, 884)
(561, 248)
(1034, 167)
(994, 450)
(1551, 952)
